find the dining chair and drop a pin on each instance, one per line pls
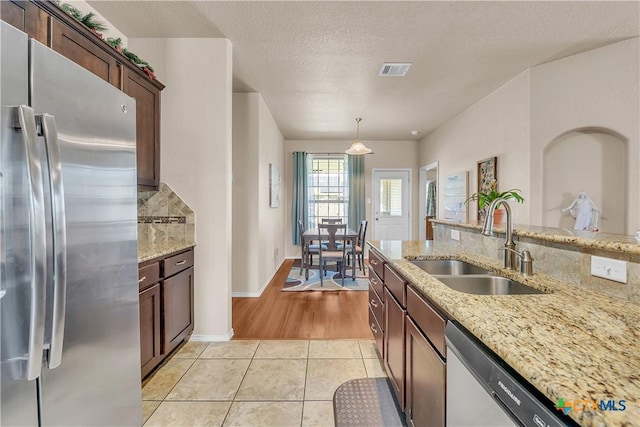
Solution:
(356, 252)
(331, 252)
(308, 249)
(331, 220)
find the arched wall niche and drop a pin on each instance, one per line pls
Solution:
(593, 160)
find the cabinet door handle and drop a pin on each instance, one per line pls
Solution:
(373, 262)
(374, 303)
(142, 279)
(374, 281)
(373, 328)
(184, 261)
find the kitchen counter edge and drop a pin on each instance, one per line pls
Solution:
(569, 343)
(151, 251)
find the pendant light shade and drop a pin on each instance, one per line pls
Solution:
(358, 148)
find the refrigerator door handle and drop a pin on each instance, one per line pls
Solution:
(50, 132)
(38, 242)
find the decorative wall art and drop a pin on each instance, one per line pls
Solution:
(274, 186)
(455, 194)
(487, 172)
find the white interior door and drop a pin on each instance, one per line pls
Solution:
(391, 204)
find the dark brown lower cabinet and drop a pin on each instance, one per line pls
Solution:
(394, 335)
(166, 307)
(425, 381)
(150, 346)
(177, 305)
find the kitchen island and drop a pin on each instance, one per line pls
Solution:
(570, 343)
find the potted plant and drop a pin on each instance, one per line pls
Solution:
(484, 199)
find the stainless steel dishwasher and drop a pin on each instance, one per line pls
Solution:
(482, 392)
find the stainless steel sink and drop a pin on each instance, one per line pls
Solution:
(449, 267)
(487, 285)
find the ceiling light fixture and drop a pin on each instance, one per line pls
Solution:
(358, 148)
(414, 132)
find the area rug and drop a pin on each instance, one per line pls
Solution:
(332, 281)
(366, 402)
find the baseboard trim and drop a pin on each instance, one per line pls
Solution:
(207, 338)
(251, 294)
(259, 293)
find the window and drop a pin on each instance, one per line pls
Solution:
(328, 189)
(391, 197)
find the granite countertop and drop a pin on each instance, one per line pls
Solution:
(570, 343)
(149, 251)
(585, 239)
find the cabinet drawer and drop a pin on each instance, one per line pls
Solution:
(376, 305)
(377, 264)
(376, 330)
(427, 319)
(377, 283)
(148, 275)
(396, 285)
(177, 263)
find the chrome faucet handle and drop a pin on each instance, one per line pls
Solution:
(526, 261)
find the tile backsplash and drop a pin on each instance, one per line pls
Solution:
(163, 217)
(569, 263)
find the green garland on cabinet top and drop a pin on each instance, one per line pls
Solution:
(89, 20)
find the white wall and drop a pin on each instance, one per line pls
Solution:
(245, 193)
(595, 89)
(271, 239)
(196, 161)
(588, 161)
(154, 52)
(388, 154)
(497, 125)
(258, 229)
(111, 30)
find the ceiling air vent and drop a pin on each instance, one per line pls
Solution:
(394, 69)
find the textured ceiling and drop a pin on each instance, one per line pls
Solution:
(316, 63)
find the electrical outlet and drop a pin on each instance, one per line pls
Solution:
(455, 235)
(608, 268)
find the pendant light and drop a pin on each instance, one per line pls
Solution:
(358, 148)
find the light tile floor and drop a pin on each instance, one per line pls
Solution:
(256, 383)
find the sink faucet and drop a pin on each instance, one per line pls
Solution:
(510, 252)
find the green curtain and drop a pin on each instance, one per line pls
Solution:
(357, 208)
(299, 202)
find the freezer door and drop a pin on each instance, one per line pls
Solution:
(97, 381)
(18, 405)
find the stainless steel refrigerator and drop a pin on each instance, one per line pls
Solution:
(70, 346)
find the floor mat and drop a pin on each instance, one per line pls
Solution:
(366, 402)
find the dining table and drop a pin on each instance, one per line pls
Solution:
(330, 235)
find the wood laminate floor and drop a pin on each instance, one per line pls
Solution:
(301, 315)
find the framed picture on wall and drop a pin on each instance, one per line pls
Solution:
(487, 172)
(455, 193)
(274, 186)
